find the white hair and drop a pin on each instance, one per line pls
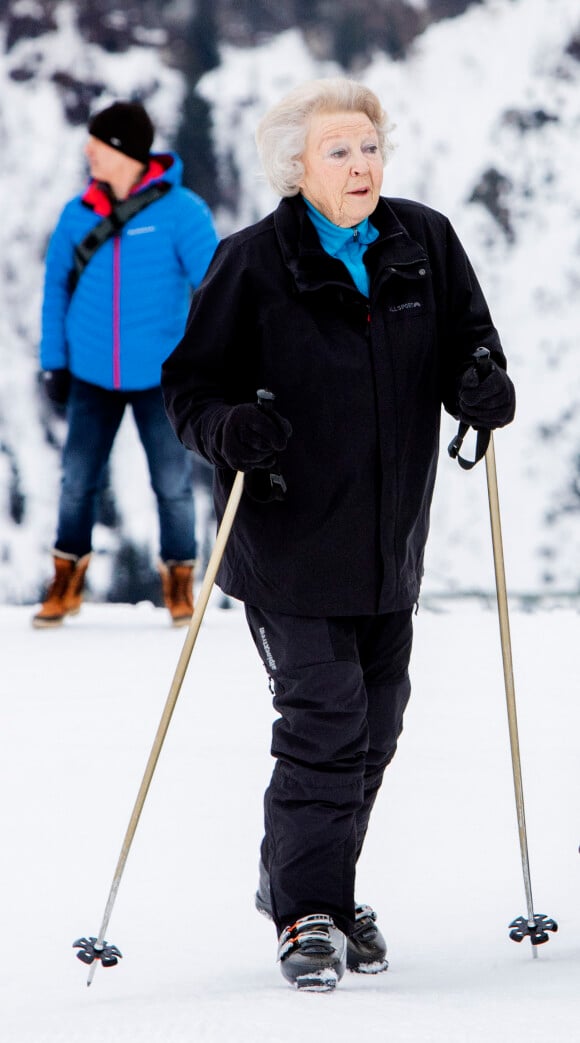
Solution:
(281, 134)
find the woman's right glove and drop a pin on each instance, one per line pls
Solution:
(252, 437)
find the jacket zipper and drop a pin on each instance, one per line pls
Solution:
(117, 312)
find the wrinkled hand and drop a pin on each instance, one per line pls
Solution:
(252, 437)
(56, 383)
(488, 404)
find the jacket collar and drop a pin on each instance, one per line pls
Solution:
(97, 195)
(310, 265)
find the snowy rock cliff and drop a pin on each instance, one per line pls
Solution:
(487, 112)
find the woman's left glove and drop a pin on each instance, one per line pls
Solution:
(488, 403)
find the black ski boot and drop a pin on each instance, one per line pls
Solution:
(312, 953)
(366, 947)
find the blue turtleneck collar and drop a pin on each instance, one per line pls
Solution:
(346, 244)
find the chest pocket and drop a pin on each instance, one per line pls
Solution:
(407, 292)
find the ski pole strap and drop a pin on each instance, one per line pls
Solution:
(111, 226)
(481, 445)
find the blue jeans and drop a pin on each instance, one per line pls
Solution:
(94, 416)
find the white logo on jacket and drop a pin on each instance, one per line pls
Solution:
(404, 307)
(141, 231)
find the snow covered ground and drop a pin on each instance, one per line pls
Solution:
(80, 708)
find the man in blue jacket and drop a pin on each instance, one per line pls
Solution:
(105, 336)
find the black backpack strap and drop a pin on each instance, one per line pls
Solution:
(481, 445)
(110, 226)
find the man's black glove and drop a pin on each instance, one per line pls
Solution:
(488, 403)
(251, 437)
(56, 383)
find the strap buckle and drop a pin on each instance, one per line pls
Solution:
(481, 445)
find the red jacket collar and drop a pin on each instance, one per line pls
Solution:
(97, 195)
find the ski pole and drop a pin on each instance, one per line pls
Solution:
(535, 926)
(91, 950)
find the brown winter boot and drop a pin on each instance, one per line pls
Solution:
(65, 593)
(177, 581)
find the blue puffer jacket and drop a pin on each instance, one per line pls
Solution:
(129, 308)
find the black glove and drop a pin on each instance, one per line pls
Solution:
(488, 404)
(56, 383)
(251, 437)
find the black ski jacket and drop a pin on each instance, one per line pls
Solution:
(362, 383)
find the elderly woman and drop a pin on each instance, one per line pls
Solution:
(361, 315)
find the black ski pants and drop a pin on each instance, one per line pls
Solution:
(341, 686)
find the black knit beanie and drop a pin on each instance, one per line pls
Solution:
(125, 126)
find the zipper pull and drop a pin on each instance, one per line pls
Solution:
(355, 234)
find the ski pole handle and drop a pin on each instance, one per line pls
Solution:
(277, 485)
(266, 399)
(483, 364)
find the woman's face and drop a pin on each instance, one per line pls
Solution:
(343, 166)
